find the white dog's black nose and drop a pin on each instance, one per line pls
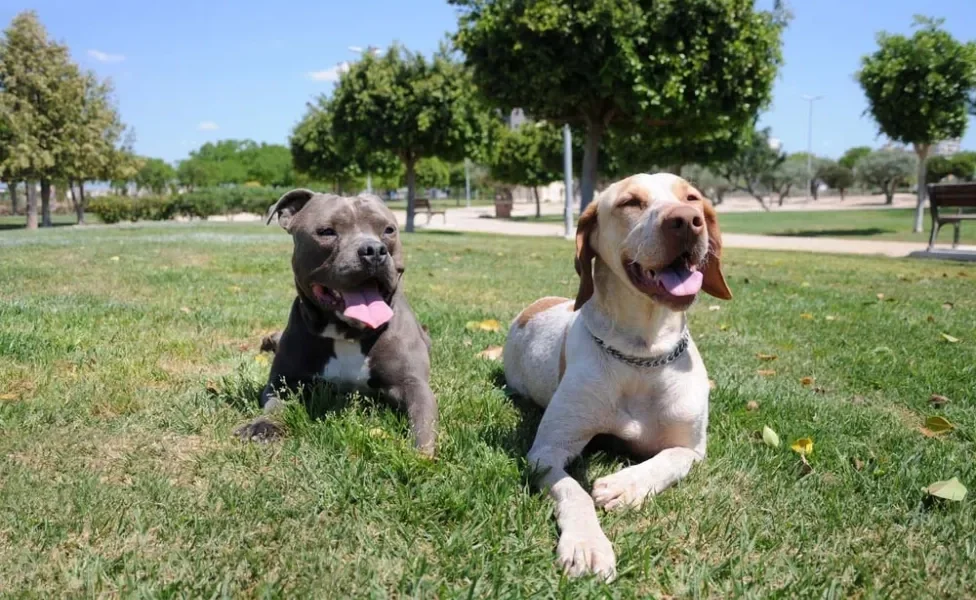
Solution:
(373, 252)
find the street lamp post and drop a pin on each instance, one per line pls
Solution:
(568, 179)
(467, 182)
(810, 100)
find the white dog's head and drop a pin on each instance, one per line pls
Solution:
(658, 234)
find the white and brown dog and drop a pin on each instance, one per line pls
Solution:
(619, 360)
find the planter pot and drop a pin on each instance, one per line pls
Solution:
(503, 209)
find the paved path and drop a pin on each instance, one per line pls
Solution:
(478, 219)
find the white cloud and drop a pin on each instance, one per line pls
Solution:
(105, 57)
(329, 74)
(207, 126)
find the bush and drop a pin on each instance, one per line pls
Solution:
(198, 204)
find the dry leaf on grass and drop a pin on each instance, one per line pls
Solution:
(938, 425)
(803, 446)
(765, 372)
(8, 396)
(466, 341)
(715, 307)
(805, 284)
(806, 380)
(770, 438)
(491, 353)
(880, 296)
(185, 309)
(938, 400)
(952, 490)
(806, 316)
(486, 325)
(114, 259)
(762, 356)
(950, 339)
(711, 384)
(857, 463)
(261, 359)
(947, 305)
(752, 405)
(723, 326)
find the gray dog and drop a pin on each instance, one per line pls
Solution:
(350, 323)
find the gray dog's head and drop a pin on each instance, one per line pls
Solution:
(347, 258)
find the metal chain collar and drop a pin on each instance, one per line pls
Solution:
(636, 361)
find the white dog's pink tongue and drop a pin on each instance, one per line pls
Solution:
(679, 281)
(367, 306)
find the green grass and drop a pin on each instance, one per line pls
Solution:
(888, 224)
(443, 203)
(121, 381)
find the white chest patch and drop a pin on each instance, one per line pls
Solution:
(349, 367)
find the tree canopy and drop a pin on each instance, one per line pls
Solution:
(852, 155)
(237, 162)
(693, 67)
(753, 164)
(527, 156)
(406, 105)
(886, 169)
(918, 89)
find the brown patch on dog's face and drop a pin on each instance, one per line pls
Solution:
(341, 244)
(660, 235)
(540, 305)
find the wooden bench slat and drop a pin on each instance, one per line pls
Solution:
(950, 196)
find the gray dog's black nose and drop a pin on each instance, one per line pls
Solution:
(373, 252)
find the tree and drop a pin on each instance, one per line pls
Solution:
(788, 173)
(268, 164)
(837, 176)
(403, 104)
(155, 175)
(39, 90)
(754, 162)
(693, 66)
(713, 185)
(433, 173)
(886, 169)
(315, 153)
(918, 90)
(524, 156)
(852, 155)
(960, 166)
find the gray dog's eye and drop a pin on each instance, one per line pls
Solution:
(389, 230)
(325, 231)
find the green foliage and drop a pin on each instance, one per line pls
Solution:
(837, 176)
(433, 173)
(852, 155)
(787, 174)
(155, 175)
(918, 87)
(402, 104)
(961, 166)
(198, 204)
(527, 155)
(115, 209)
(886, 169)
(689, 68)
(229, 162)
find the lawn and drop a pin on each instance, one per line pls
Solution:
(882, 224)
(8, 222)
(128, 355)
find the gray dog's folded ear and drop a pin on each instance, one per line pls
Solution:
(288, 205)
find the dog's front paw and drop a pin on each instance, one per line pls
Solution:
(261, 430)
(586, 553)
(623, 489)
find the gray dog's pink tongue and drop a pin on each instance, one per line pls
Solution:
(679, 281)
(367, 306)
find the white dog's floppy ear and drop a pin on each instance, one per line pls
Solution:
(288, 205)
(585, 254)
(714, 280)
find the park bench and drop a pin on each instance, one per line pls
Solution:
(947, 196)
(424, 203)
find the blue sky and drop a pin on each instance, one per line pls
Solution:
(187, 72)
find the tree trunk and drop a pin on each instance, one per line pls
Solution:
(538, 203)
(841, 194)
(814, 189)
(82, 202)
(922, 150)
(411, 165)
(888, 188)
(31, 205)
(45, 203)
(13, 197)
(591, 152)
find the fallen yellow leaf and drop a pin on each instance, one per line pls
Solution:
(114, 259)
(806, 316)
(752, 405)
(830, 318)
(805, 284)
(723, 326)
(486, 325)
(261, 359)
(806, 380)
(185, 309)
(765, 372)
(8, 396)
(762, 356)
(938, 425)
(803, 446)
(491, 353)
(714, 307)
(950, 339)
(711, 384)
(880, 296)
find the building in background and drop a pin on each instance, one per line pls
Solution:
(947, 147)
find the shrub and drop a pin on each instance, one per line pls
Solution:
(198, 204)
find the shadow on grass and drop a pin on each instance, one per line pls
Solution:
(438, 232)
(7, 225)
(864, 232)
(602, 450)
